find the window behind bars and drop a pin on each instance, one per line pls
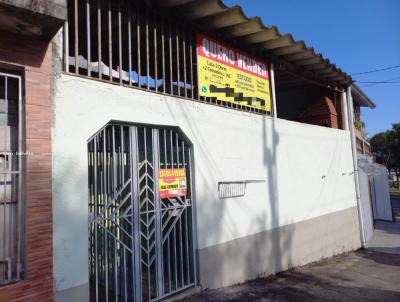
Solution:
(126, 42)
(11, 210)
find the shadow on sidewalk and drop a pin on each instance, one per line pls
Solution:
(360, 276)
(382, 257)
(386, 237)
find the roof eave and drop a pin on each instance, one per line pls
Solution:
(361, 98)
(231, 22)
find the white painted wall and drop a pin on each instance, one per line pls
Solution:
(366, 204)
(383, 206)
(306, 168)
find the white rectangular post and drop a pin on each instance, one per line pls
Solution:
(273, 94)
(345, 122)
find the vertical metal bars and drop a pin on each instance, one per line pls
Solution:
(138, 33)
(191, 64)
(110, 41)
(99, 44)
(170, 58)
(76, 38)
(178, 82)
(95, 213)
(158, 238)
(88, 34)
(140, 246)
(191, 226)
(160, 55)
(66, 47)
(184, 62)
(129, 23)
(147, 51)
(155, 53)
(136, 265)
(119, 42)
(163, 52)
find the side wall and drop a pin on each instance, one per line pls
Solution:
(304, 208)
(34, 60)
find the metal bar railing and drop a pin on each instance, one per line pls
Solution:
(126, 43)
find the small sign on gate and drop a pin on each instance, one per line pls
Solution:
(172, 182)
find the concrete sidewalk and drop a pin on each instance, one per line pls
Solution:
(371, 274)
(386, 238)
(360, 276)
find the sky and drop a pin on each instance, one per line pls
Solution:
(356, 35)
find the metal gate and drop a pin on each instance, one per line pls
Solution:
(140, 241)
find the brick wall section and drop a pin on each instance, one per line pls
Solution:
(35, 58)
(339, 111)
(321, 112)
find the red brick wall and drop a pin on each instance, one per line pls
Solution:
(34, 58)
(339, 110)
(321, 112)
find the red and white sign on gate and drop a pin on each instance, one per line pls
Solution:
(172, 182)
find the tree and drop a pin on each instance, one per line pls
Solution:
(386, 147)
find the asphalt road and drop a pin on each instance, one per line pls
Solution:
(395, 198)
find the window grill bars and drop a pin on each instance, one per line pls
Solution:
(11, 202)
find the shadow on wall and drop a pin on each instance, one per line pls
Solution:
(203, 172)
(244, 258)
(279, 245)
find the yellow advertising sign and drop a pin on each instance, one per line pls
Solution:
(172, 182)
(231, 75)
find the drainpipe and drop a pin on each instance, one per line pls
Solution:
(273, 95)
(350, 110)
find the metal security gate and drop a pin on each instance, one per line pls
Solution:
(140, 230)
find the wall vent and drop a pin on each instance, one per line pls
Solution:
(231, 189)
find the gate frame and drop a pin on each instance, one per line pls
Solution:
(134, 189)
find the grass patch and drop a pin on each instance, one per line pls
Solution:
(394, 190)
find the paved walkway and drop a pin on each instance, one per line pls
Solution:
(386, 238)
(366, 275)
(359, 276)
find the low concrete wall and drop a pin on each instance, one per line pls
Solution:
(74, 294)
(306, 170)
(279, 249)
